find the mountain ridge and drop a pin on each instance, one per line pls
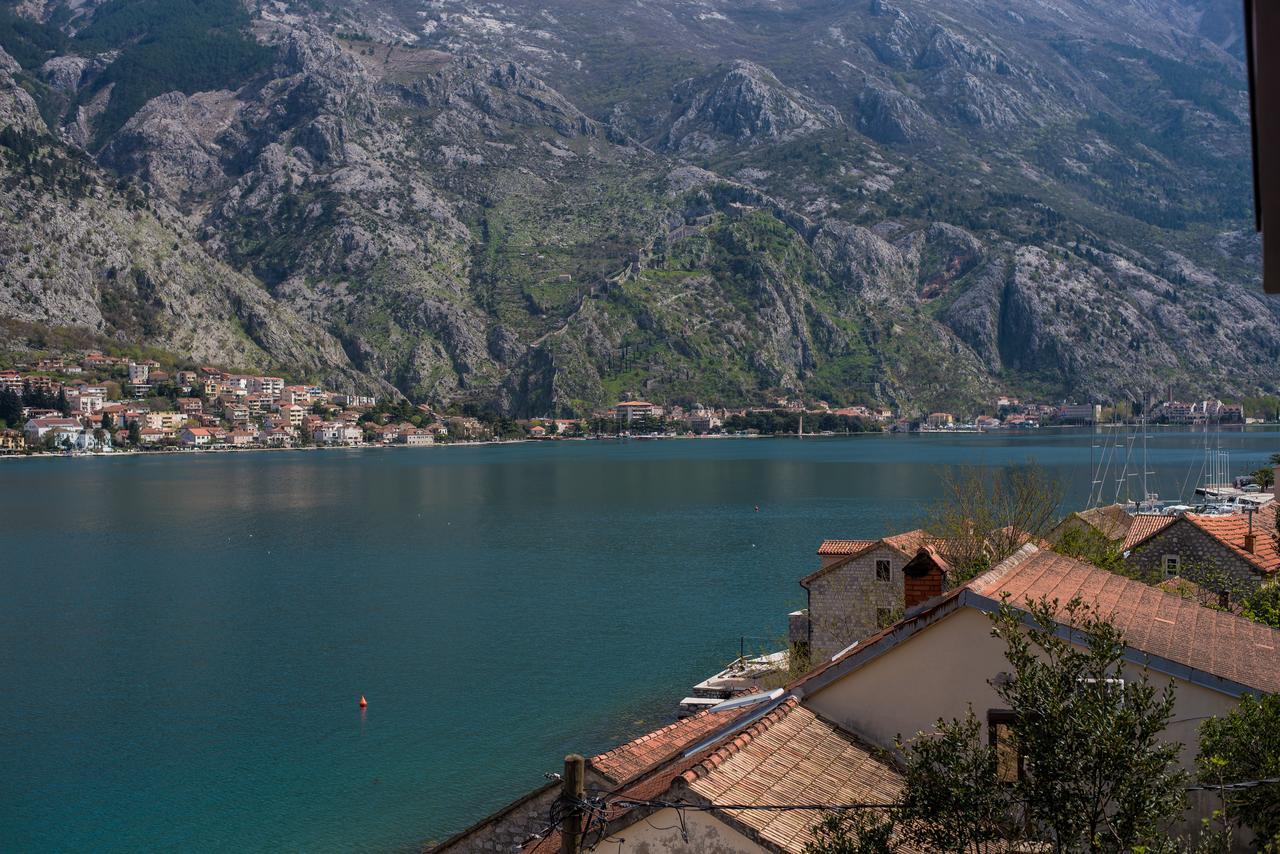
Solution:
(437, 219)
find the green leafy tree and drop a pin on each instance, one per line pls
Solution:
(1089, 544)
(63, 405)
(1084, 767)
(135, 433)
(860, 832)
(1264, 477)
(108, 423)
(951, 800)
(1242, 746)
(1100, 777)
(1263, 605)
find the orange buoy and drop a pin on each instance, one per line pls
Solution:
(363, 701)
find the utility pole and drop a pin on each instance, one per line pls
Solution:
(572, 790)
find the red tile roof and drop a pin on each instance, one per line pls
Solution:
(844, 547)
(1153, 621)
(630, 760)
(908, 543)
(788, 756)
(1232, 530)
(1144, 526)
(791, 756)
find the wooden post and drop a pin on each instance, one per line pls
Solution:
(572, 790)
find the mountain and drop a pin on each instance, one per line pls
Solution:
(540, 207)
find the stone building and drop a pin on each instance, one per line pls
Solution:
(1229, 554)
(857, 590)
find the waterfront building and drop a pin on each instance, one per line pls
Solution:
(1079, 413)
(36, 428)
(630, 410)
(195, 436)
(417, 437)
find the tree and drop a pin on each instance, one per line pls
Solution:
(1089, 544)
(951, 800)
(10, 408)
(108, 423)
(860, 832)
(984, 518)
(1264, 477)
(135, 433)
(1082, 768)
(1262, 605)
(1100, 777)
(1241, 746)
(63, 405)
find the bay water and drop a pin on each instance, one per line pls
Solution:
(184, 639)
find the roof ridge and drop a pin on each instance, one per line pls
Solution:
(719, 755)
(997, 573)
(650, 735)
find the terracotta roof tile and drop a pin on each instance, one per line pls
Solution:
(1144, 526)
(1113, 520)
(788, 756)
(628, 761)
(844, 547)
(792, 756)
(1153, 621)
(1232, 530)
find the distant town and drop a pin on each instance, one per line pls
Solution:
(91, 402)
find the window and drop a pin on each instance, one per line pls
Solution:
(1010, 765)
(1172, 565)
(883, 571)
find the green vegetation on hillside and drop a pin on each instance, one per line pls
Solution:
(187, 45)
(30, 42)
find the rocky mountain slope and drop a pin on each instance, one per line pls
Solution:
(542, 207)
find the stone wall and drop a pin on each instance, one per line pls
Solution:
(845, 603)
(1201, 559)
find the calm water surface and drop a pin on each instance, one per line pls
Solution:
(183, 640)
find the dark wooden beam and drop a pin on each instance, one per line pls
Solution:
(1262, 45)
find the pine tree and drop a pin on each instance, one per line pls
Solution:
(10, 408)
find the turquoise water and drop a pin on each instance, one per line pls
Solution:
(183, 640)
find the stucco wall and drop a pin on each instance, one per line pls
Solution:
(843, 603)
(660, 832)
(947, 667)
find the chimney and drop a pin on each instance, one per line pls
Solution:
(923, 578)
(1250, 542)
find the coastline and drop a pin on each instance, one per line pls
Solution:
(1241, 428)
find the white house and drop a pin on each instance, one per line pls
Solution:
(337, 433)
(36, 428)
(195, 436)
